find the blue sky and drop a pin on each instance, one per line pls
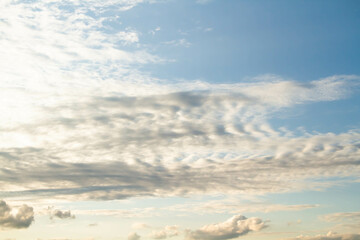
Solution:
(166, 119)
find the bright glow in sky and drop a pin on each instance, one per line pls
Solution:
(181, 119)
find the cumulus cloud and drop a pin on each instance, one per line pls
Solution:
(56, 213)
(15, 218)
(167, 232)
(232, 228)
(140, 226)
(133, 236)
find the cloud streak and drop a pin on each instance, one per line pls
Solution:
(167, 232)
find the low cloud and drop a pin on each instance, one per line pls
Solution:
(167, 232)
(15, 218)
(232, 228)
(140, 226)
(133, 236)
(329, 236)
(56, 213)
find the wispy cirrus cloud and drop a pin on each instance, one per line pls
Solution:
(343, 220)
(236, 206)
(335, 217)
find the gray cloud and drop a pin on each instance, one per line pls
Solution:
(22, 219)
(133, 236)
(232, 228)
(56, 213)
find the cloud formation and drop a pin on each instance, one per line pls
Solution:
(167, 232)
(342, 216)
(329, 236)
(21, 218)
(231, 205)
(232, 228)
(56, 213)
(82, 121)
(133, 236)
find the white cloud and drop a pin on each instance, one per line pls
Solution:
(140, 226)
(232, 228)
(15, 218)
(153, 32)
(80, 119)
(60, 45)
(179, 42)
(123, 213)
(167, 232)
(128, 37)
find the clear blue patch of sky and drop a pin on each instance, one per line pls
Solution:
(342, 197)
(303, 40)
(321, 117)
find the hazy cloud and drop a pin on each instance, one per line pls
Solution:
(329, 236)
(140, 226)
(179, 42)
(236, 206)
(133, 236)
(342, 216)
(203, 1)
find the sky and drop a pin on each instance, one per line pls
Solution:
(179, 119)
